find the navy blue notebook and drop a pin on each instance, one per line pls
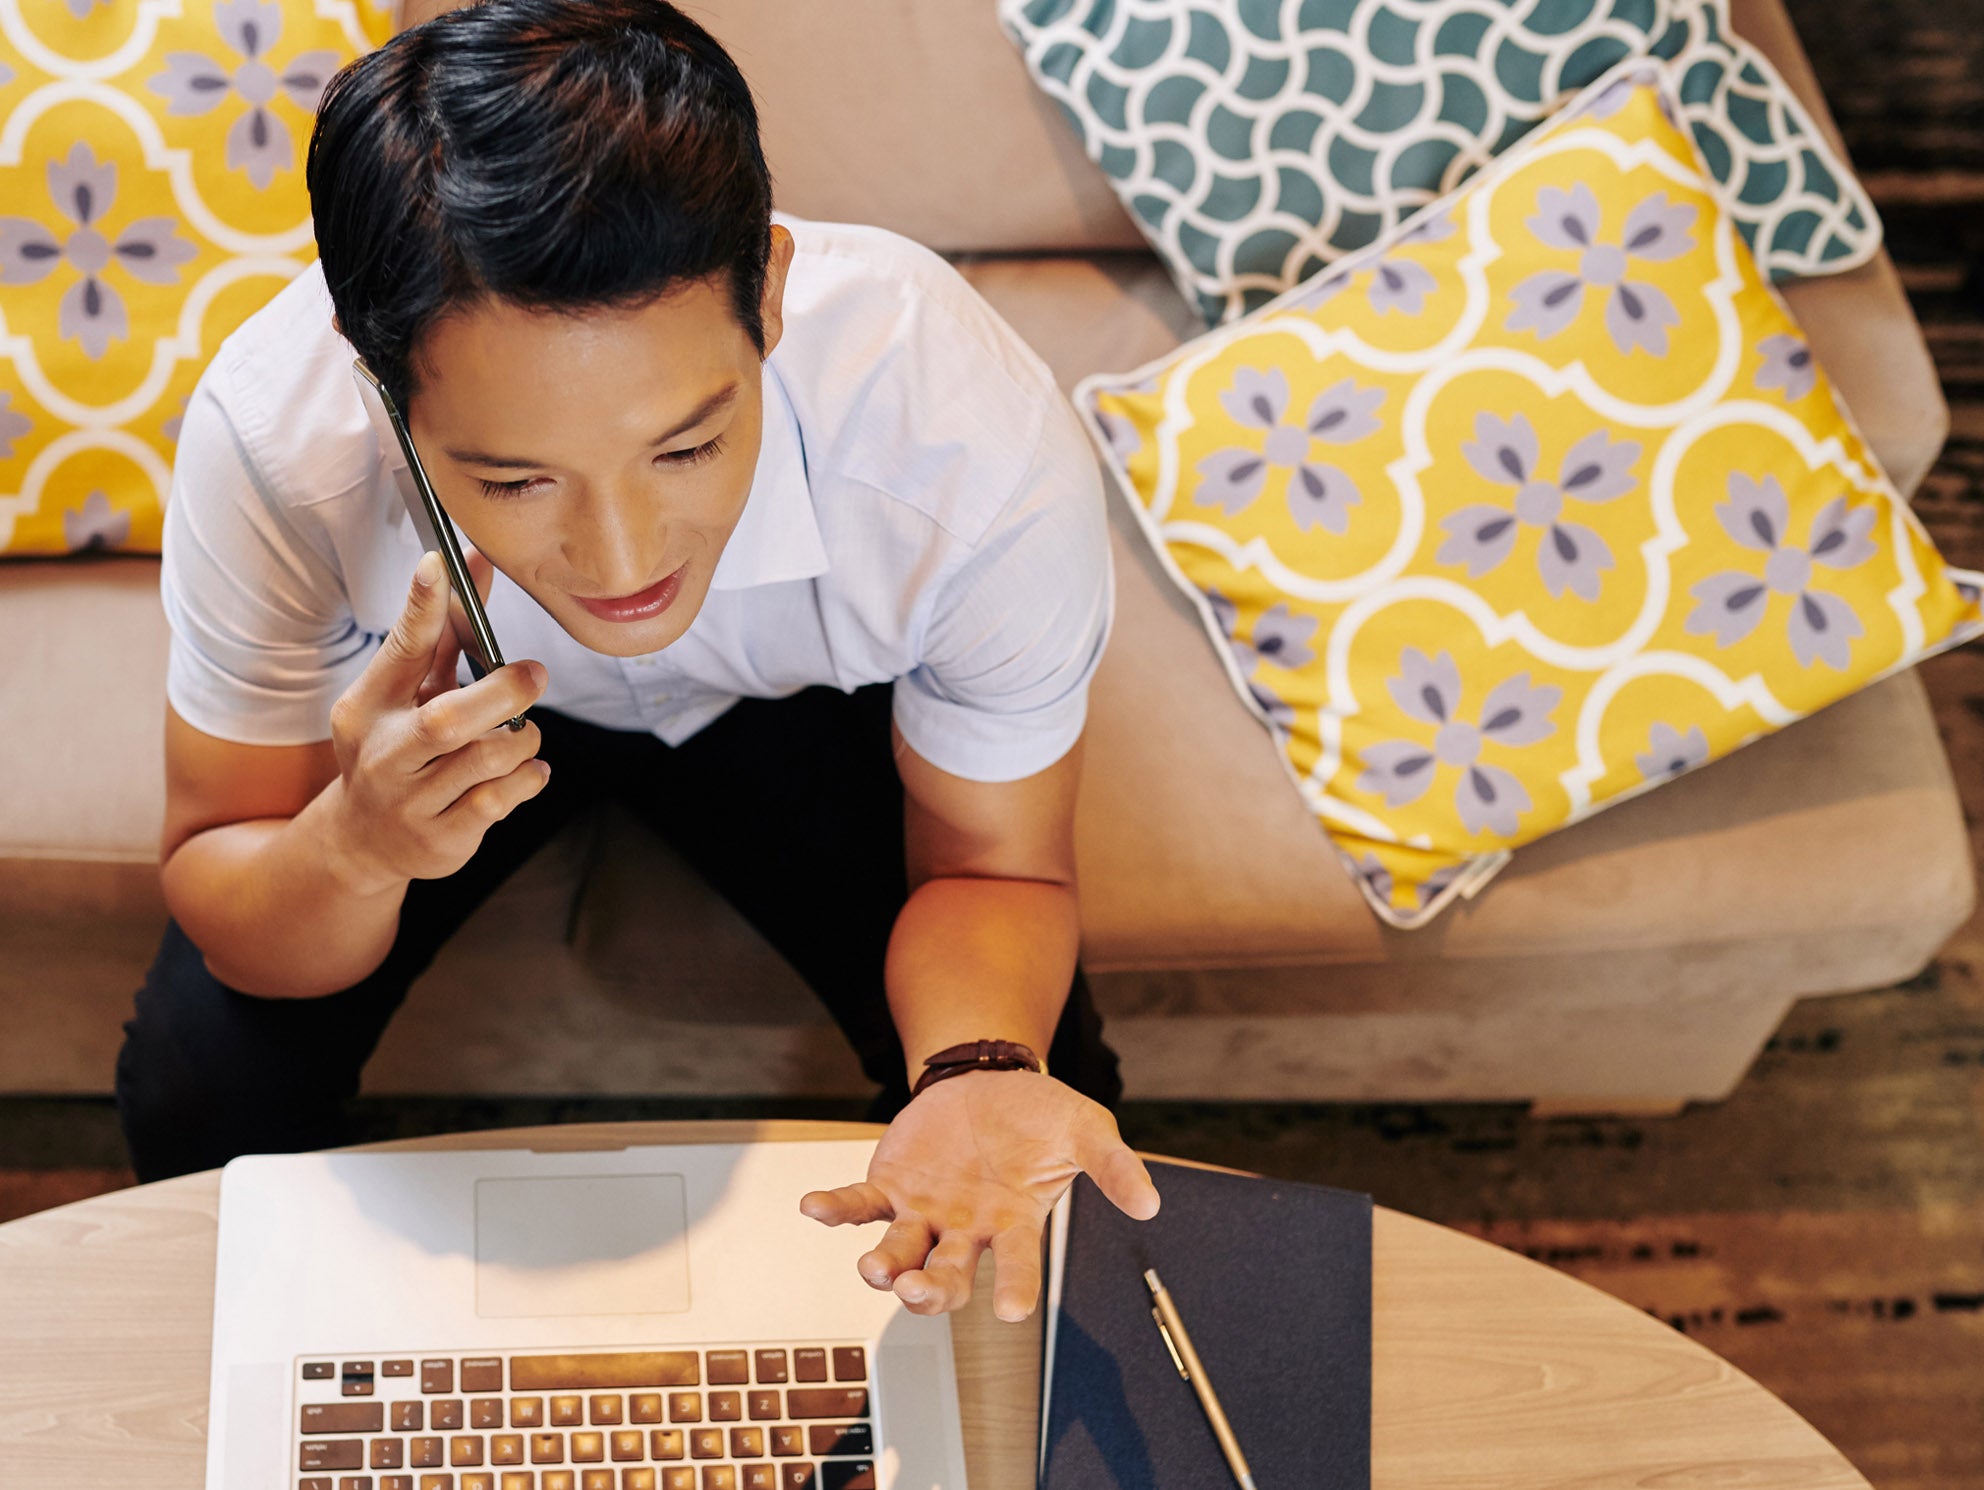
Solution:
(1273, 1281)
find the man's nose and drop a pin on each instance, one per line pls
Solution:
(616, 541)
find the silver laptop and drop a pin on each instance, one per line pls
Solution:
(630, 1319)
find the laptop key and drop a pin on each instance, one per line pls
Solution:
(747, 1443)
(519, 1479)
(596, 1479)
(437, 1482)
(332, 1453)
(588, 1448)
(665, 1443)
(788, 1441)
(606, 1410)
(626, 1444)
(437, 1376)
(317, 1371)
(771, 1367)
(685, 1407)
(396, 1482)
(481, 1481)
(396, 1368)
(826, 1402)
(706, 1443)
(719, 1477)
(809, 1364)
(678, 1479)
(644, 1407)
(729, 1368)
(559, 1479)
(850, 1363)
(600, 1372)
(506, 1448)
(424, 1453)
(795, 1477)
(847, 1474)
(758, 1477)
(726, 1407)
(447, 1413)
(388, 1453)
(343, 1417)
(764, 1406)
(840, 1438)
(464, 1452)
(408, 1417)
(485, 1412)
(314, 1482)
(526, 1412)
(355, 1482)
(637, 1479)
(482, 1373)
(547, 1448)
(568, 1411)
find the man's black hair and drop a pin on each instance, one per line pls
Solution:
(557, 154)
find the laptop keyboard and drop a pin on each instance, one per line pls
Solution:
(770, 1417)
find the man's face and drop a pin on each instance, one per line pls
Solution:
(600, 460)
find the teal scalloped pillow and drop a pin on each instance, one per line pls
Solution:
(1256, 141)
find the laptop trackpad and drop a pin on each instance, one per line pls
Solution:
(581, 1244)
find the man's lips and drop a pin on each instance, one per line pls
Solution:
(643, 605)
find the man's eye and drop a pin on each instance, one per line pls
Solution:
(708, 451)
(501, 489)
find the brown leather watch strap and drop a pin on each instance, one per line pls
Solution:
(975, 1055)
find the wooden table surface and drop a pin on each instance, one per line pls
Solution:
(1488, 1370)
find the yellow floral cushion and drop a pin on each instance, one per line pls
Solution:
(1528, 509)
(151, 198)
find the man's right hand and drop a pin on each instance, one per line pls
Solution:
(425, 767)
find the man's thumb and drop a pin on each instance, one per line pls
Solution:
(408, 651)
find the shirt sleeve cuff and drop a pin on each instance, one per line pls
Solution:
(982, 746)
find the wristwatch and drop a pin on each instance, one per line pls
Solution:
(976, 1055)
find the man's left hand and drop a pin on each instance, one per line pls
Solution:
(978, 1161)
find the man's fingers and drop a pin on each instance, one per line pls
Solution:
(1016, 1272)
(490, 758)
(397, 669)
(443, 725)
(903, 1246)
(1114, 1166)
(850, 1205)
(943, 1283)
(492, 801)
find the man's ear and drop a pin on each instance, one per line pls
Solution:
(771, 304)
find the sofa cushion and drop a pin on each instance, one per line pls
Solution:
(154, 199)
(1254, 147)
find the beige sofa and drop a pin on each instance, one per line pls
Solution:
(1634, 962)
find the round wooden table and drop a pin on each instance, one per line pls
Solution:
(1488, 1370)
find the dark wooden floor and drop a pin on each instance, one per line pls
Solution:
(1824, 1227)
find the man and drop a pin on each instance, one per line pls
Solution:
(805, 555)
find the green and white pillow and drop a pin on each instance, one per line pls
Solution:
(1256, 141)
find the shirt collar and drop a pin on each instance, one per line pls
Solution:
(778, 537)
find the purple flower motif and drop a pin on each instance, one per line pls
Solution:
(95, 525)
(1515, 713)
(12, 426)
(1637, 314)
(1788, 365)
(171, 427)
(258, 142)
(149, 250)
(1570, 556)
(1319, 494)
(1120, 433)
(81, 9)
(1430, 889)
(1669, 752)
(1729, 606)
(1280, 637)
(1280, 713)
(1396, 284)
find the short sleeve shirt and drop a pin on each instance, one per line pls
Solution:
(926, 512)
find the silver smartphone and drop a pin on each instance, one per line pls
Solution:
(431, 522)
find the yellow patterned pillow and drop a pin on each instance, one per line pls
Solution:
(1529, 509)
(151, 198)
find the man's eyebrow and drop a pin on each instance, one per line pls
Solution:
(709, 407)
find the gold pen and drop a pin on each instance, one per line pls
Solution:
(1186, 1360)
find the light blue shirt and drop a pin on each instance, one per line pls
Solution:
(925, 511)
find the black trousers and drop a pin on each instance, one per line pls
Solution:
(790, 808)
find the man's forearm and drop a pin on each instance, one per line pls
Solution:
(270, 907)
(981, 958)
